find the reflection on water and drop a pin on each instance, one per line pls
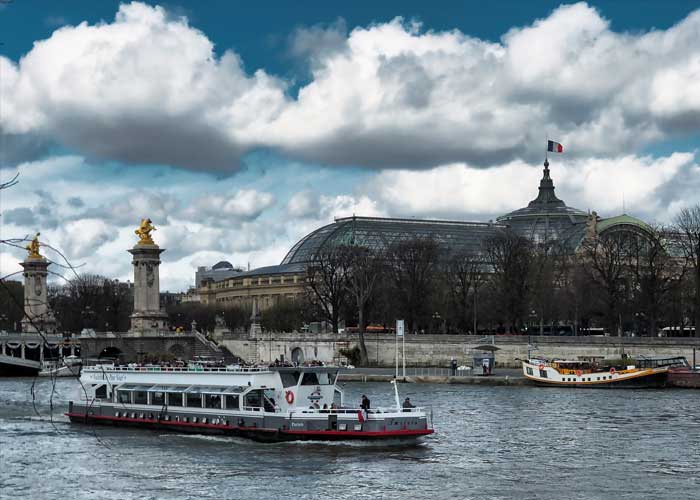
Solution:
(491, 442)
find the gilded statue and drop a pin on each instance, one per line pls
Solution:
(144, 232)
(33, 248)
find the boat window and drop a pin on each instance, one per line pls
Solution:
(253, 399)
(543, 373)
(101, 392)
(194, 400)
(289, 379)
(175, 399)
(158, 398)
(529, 370)
(232, 402)
(309, 378)
(326, 378)
(123, 397)
(140, 397)
(212, 401)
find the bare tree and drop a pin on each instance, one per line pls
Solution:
(465, 273)
(606, 261)
(511, 258)
(363, 267)
(688, 225)
(412, 265)
(656, 274)
(326, 280)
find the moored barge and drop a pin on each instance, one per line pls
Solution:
(266, 404)
(567, 373)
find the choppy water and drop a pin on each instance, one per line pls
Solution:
(491, 442)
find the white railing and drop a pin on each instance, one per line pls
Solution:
(353, 411)
(178, 369)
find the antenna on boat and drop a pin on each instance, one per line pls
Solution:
(396, 394)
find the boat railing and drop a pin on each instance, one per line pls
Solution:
(176, 369)
(371, 411)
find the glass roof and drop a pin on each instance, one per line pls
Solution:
(380, 233)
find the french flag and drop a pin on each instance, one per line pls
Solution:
(554, 147)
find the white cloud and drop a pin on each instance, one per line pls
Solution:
(652, 188)
(242, 205)
(148, 88)
(304, 204)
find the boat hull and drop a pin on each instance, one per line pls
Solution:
(684, 377)
(254, 433)
(12, 370)
(656, 380)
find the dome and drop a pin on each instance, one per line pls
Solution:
(547, 218)
(222, 264)
(380, 233)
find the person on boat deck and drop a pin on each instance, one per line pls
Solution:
(407, 404)
(315, 406)
(364, 403)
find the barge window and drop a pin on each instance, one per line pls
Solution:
(158, 398)
(123, 397)
(175, 399)
(140, 397)
(232, 402)
(289, 379)
(212, 401)
(309, 379)
(194, 400)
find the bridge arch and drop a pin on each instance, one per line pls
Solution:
(177, 350)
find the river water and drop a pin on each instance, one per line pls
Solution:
(490, 442)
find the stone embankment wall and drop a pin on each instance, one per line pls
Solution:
(438, 350)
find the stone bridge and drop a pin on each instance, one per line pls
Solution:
(131, 346)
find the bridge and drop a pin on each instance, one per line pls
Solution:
(24, 353)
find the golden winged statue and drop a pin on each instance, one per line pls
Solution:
(144, 232)
(33, 248)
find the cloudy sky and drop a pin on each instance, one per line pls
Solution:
(240, 128)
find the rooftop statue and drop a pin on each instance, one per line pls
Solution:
(144, 232)
(591, 230)
(33, 248)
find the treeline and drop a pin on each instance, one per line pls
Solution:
(625, 280)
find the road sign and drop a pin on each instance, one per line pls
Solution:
(399, 327)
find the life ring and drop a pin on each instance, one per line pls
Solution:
(541, 367)
(612, 370)
(579, 373)
(289, 397)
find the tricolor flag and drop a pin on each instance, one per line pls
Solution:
(554, 147)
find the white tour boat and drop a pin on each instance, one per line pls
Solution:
(269, 404)
(565, 373)
(68, 366)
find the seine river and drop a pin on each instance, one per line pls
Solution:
(491, 442)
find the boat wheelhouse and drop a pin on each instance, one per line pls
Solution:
(271, 404)
(647, 372)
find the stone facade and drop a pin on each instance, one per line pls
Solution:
(266, 289)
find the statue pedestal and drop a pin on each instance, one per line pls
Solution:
(147, 315)
(37, 316)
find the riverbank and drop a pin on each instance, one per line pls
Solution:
(492, 380)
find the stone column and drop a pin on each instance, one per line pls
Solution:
(147, 315)
(37, 316)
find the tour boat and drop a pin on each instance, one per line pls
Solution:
(266, 404)
(565, 373)
(65, 367)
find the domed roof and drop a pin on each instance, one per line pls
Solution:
(380, 233)
(546, 217)
(222, 264)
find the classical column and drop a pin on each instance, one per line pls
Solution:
(37, 316)
(147, 315)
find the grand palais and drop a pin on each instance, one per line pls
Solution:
(546, 218)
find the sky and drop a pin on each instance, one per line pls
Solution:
(239, 127)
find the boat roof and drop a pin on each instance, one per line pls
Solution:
(309, 369)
